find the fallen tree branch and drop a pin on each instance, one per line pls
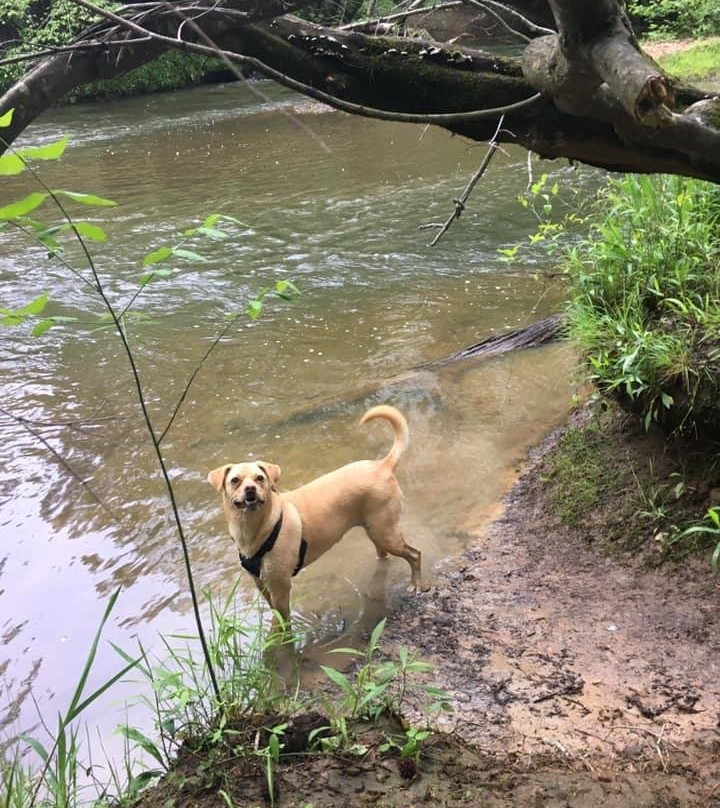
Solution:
(442, 118)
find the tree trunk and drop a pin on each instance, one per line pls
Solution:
(603, 101)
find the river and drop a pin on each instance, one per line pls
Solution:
(335, 204)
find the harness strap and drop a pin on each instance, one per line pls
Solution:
(253, 563)
(301, 557)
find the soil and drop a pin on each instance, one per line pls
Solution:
(579, 674)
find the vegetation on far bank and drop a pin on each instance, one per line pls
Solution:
(692, 60)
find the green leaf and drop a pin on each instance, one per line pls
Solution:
(155, 273)
(35, 306)
(133, 734)
(51, 151)
(376, 634)
(189, 255)
(11, 164)
(37, 747)
(6, 119)
(156, 256)
(87, 199)
(286, 290)
(340, 679)
(254, 309)
(21, 208)
(212, 232)
(715, 558)
(44, 325)
(91, 231)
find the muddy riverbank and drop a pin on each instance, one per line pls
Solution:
(578, 676)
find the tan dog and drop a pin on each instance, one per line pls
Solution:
(279, 534)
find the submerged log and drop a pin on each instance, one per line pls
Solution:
(531, 336)
(540, 333)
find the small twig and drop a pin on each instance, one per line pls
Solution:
(401, 15)
(52, 51)
(195, 372)
(462, 199)
(529, 24)
(488, 10)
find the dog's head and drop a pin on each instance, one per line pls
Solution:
(246, 487)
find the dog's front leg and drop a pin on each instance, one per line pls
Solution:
(279, 599)
(264, 591)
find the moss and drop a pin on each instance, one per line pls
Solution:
(629, 490)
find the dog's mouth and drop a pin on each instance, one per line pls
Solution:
(250, 502)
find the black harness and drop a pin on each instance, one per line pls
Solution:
(253, 563)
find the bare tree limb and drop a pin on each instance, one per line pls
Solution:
(587, 94)
(463, 198)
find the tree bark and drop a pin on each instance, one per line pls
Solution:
(604, 102)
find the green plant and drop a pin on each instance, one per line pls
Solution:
(411, 746)
(642, 300)
(672, 19)
(655, 495)
(705, 532)
(378, 686)
(270, 755)
(182, 701)
(56, 782)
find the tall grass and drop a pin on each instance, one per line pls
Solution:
(644, 294)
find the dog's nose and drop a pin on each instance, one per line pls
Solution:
(250, 494)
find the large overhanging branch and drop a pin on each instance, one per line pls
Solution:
(604, 102)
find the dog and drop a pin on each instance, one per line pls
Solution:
(277, 534)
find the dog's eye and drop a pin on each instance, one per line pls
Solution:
(259, 478)
(235, 481)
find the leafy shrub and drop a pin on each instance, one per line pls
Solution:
(644, 299)
(31, 25)
(672, 19)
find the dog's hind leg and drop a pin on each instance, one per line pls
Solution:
(390, 539)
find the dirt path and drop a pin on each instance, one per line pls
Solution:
(552, 649)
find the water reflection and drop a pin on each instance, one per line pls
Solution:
(290, 387)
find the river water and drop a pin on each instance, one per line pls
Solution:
(333, 203)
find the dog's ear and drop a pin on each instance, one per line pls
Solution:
(272, 471)
(216, 478)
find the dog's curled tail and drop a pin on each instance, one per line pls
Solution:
(399, 426)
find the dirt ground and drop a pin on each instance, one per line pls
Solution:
(597, 670)
(579, 676)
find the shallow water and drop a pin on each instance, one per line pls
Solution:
(333, 203)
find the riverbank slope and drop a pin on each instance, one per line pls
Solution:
(580, 675)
